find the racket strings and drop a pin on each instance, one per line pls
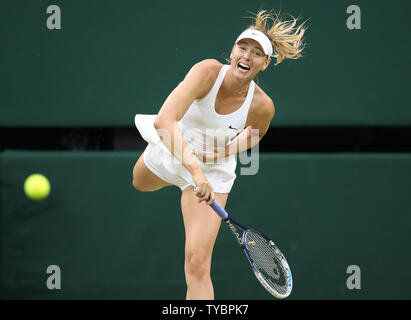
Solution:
(267, 260)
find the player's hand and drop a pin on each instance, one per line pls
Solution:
(204, 190)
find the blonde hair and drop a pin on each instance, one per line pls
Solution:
(285, 36)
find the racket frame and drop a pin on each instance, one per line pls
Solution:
(241, 239)
(257, 273)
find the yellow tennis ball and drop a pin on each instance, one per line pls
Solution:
(37, 186)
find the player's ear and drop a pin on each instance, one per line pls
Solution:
(266, 64)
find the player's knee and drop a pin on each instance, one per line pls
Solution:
(139, 186)
(136, 185)
(197, 266)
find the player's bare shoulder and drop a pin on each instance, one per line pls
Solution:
(262, 105)
(212, 65)
(206, 73)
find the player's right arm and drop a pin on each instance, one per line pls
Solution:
(197, 83)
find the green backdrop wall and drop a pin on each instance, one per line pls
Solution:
(325, 211)
(112, 59)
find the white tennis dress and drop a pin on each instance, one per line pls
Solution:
(203, 128)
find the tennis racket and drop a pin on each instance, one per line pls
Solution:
(266, 260)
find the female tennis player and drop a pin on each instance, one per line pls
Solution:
(211, 106)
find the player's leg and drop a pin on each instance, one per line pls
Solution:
(144, 179)
(201, 228)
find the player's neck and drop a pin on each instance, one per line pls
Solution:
(234, 85)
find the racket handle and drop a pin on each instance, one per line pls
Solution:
(217, 208)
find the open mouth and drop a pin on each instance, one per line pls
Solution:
(243, 66)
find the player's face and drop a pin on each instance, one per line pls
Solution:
(248, 59)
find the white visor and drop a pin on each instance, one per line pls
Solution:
(260, 37)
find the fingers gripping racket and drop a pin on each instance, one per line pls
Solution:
(266, 260)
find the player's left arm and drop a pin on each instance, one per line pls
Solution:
(257, 125)
(258, 121)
